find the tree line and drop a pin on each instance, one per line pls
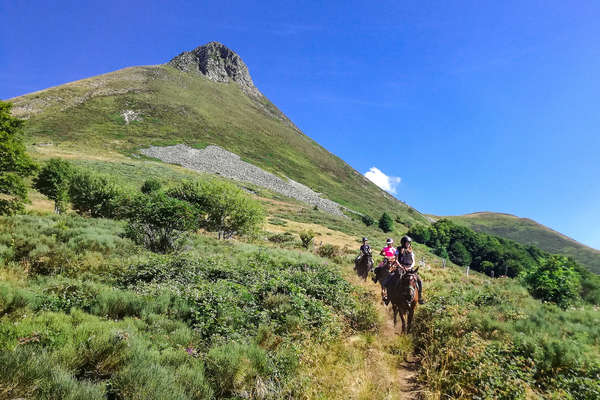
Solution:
(549, 277)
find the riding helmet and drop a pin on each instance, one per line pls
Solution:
(389, 241)
(364, 239)
(405, 239)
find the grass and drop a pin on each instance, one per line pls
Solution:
(529, 232)
(222, 319)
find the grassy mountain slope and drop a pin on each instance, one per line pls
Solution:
(529, 232)
(185, 107)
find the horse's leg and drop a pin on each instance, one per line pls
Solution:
(395, 311)
(403, 321)
(411, 312)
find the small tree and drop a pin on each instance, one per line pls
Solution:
(98, 196)
(222, 207)
(156, 221)
(15, 164)
(307, 238)
(554, 280)
(150, 185)
(53, 181)
(386, 223)
(367, 220)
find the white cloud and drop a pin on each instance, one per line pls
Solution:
(387, 183)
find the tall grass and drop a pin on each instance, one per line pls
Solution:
(222, 320)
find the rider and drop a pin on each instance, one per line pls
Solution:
(406, 258)
(389, 252)
(365, 251)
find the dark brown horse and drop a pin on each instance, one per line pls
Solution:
(363, 265)
(382, 272)
(404, 295)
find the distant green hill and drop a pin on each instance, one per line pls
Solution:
(201, 97)
(527, 231)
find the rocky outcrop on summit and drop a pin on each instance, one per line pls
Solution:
(218, 63)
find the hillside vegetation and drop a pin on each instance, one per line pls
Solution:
(529, 232)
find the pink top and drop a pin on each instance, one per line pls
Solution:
(389, 251)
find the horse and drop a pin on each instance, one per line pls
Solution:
(382, 272)
(363, 265)
(404, 296)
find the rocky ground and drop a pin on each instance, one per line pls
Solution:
(216, 160)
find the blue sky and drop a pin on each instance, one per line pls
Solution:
(474, 105)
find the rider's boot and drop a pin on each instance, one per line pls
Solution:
(420, 287)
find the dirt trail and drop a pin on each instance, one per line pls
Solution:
(405, 364)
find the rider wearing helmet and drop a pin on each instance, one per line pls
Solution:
(365, 251)
(389, 252)
(406, 258)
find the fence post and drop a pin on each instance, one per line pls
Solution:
(468, 266)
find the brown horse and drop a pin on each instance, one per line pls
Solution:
(382, 272)
(404, 296)
(363, 265)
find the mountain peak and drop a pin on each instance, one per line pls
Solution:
(218, 63)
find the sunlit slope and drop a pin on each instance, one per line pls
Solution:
(181, 107)
(529, 232)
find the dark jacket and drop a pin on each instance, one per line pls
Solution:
(365, 250)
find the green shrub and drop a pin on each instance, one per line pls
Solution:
(554, 280)
(53, 181)
(386, 223)
(329, 251)
(286, 237)
(98, 196)
(307, 238)
(222, 206)
(234, 369)
(157, 221)
(367, 220)
(150, 185)
(29, 372)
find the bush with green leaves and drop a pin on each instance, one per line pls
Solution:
(15, 164)
(307, 237)
(330, 251)
(282, 238)
(222, 206)
(54, 180)
(386, 223)
(554, 280)
(156, 221)
(150, 185)
(99, 196)
(367, 220)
